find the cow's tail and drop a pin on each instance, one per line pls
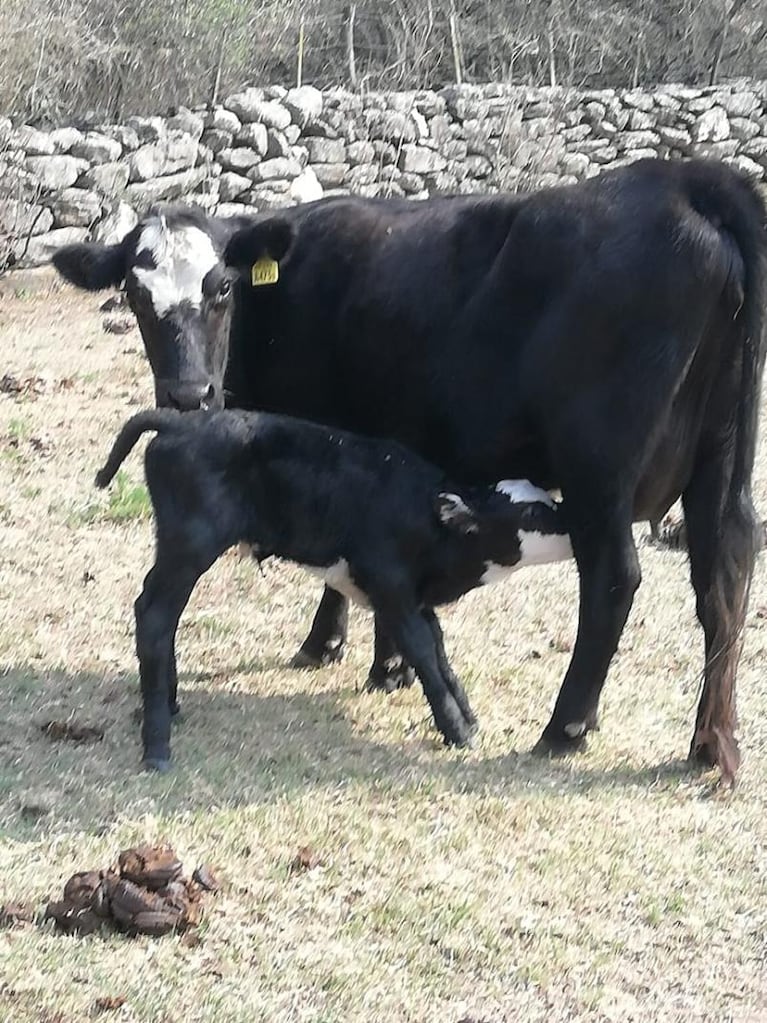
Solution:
(159, 420)
(732, 205)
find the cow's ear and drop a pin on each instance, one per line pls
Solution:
(452, 511)
(271, 237)
(90, 265)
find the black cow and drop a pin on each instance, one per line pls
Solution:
(377, 522)
(603, 338)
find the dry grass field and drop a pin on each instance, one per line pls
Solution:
(452, 886)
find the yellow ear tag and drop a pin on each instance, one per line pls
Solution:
(264, 271)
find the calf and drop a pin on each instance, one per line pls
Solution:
(373, 519)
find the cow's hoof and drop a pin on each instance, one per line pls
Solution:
(389, 678)
(159, 764)
(311, 659)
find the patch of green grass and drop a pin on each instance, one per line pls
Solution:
(127, 501)
(18, 430)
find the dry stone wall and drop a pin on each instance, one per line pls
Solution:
(265, 148)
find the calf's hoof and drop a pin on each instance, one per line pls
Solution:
(159, 764)
(389, 677)
(317, 659)
(461, 736)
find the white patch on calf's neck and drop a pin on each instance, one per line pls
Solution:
(534, 549)
(183, 255)
(524, 492)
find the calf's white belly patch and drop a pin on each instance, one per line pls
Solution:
(338, 578)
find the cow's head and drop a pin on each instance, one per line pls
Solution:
(180, 292)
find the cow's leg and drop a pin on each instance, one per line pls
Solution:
(453, 682)
(327, 636)
(415, 639)
(167, 589)
(722, 542)
(604, 549)
(389, 670)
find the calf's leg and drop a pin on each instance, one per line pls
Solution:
(327, 637)
(415, 638)
(389, 670)
(451, 679)
(167, 589)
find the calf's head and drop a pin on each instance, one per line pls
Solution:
(180, 292)
(509, 526)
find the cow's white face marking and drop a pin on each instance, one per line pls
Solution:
(338, 577)
(183, 257)
(534, 549)
(523, 491)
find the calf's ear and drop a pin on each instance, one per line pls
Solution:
(272, 237)
(453, 512)
(90, 265)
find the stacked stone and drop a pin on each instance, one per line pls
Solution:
(266, 148)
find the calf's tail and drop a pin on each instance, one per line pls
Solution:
(160, 420)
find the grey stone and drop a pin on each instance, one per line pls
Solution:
(326, 150)
(385, 189)
(411, 184)
(391, 127)
(271, 170)
(238, 159)
(756, 149)
(221, 119)
(478, 166)
(254, 136)
(640, 120)
(321, 129)
(277, 144)
(292, 134)
(19, 219)
(419, 160)
(363, 174)
(148, 129)
(711, 126)
(32, 141)
(739, 104)
(638, 99)
(97, 148)
(271, 113)
(141, 195)
(245, 104)
(300, 154)
(701, 104)
(306, 187)
(574, 163)
(456, 149)
(187, 122)
(107, 178)
(6, 130)
(119, 221)
(743, 129)
(360, 152)
(235, 209)
(676, 138)
(55, 172)
(638, 140)
(304, 104)
(746, 166)
(42, 246)
(64, 139)
(727, 147)
(605, 154)
(127, 137)
(231, 185)
(216, 139)
(75, 207)
(572, 136)
(168, 156)
(330, 175)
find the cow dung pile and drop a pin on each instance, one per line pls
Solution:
(146, 894)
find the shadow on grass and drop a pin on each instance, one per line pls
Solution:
(235, 748)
